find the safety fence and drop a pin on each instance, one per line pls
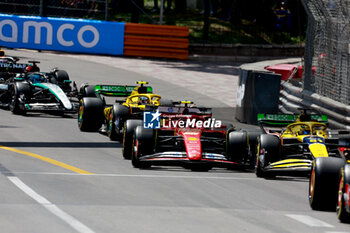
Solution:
(96, 9)
(328, 48)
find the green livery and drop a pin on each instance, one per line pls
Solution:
(285, 119)
(117, 90)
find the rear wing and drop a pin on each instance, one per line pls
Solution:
(12, 67)
(180, 110)
(286, 119)
(117, 90)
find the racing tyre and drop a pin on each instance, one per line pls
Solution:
(237, 146)
(18, 90)
(142, 145)
(128, 136)
(323, 184)
(268, 150)
(61, 76)
(116, 121)
(253, 136)
(229, 127)
(90, 114)
(88, 91)
(343, 206)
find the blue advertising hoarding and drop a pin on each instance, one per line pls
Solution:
(61, 34)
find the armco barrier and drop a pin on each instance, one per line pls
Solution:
(159, 41)
(292, 98)
(69, 35)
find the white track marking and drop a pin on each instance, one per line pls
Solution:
(141, 176)
(308, 220)
(74, 223)
(336, 232)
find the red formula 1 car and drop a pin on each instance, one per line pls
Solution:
(189, 137)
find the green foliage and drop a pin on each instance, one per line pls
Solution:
(220, 31)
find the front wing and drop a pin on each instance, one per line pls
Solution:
(289, 167)
(50, 107)
(171, 158)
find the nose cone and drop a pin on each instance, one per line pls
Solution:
(318, 150)
(193, 145)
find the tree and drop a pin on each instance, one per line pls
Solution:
(180, 5)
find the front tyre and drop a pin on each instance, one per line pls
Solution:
(128, 136)
(343, 203)
(324, 181)
(18, 91)
(237, 146)
(143, 144)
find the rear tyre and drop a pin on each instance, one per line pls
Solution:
(128, 136)
(323, 184)
(268, 150)
(253, 136)
(88, 91)
(143, 144)
(344, 190)
(61, 76)
(116, 122)
(90, 114)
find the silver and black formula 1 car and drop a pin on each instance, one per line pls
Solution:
(50, 92)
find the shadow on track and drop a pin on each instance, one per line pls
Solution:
(51, 115)
(182, 169)
(213, 67)
(63, 144)
(8, 126)
(289, 178)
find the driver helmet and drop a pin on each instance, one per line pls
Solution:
(143, 100)
(35, 78)
(304, 130)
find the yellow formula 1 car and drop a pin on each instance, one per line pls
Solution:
(291, 151)
(95, 115)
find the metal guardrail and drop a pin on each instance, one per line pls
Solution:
(293, 97)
